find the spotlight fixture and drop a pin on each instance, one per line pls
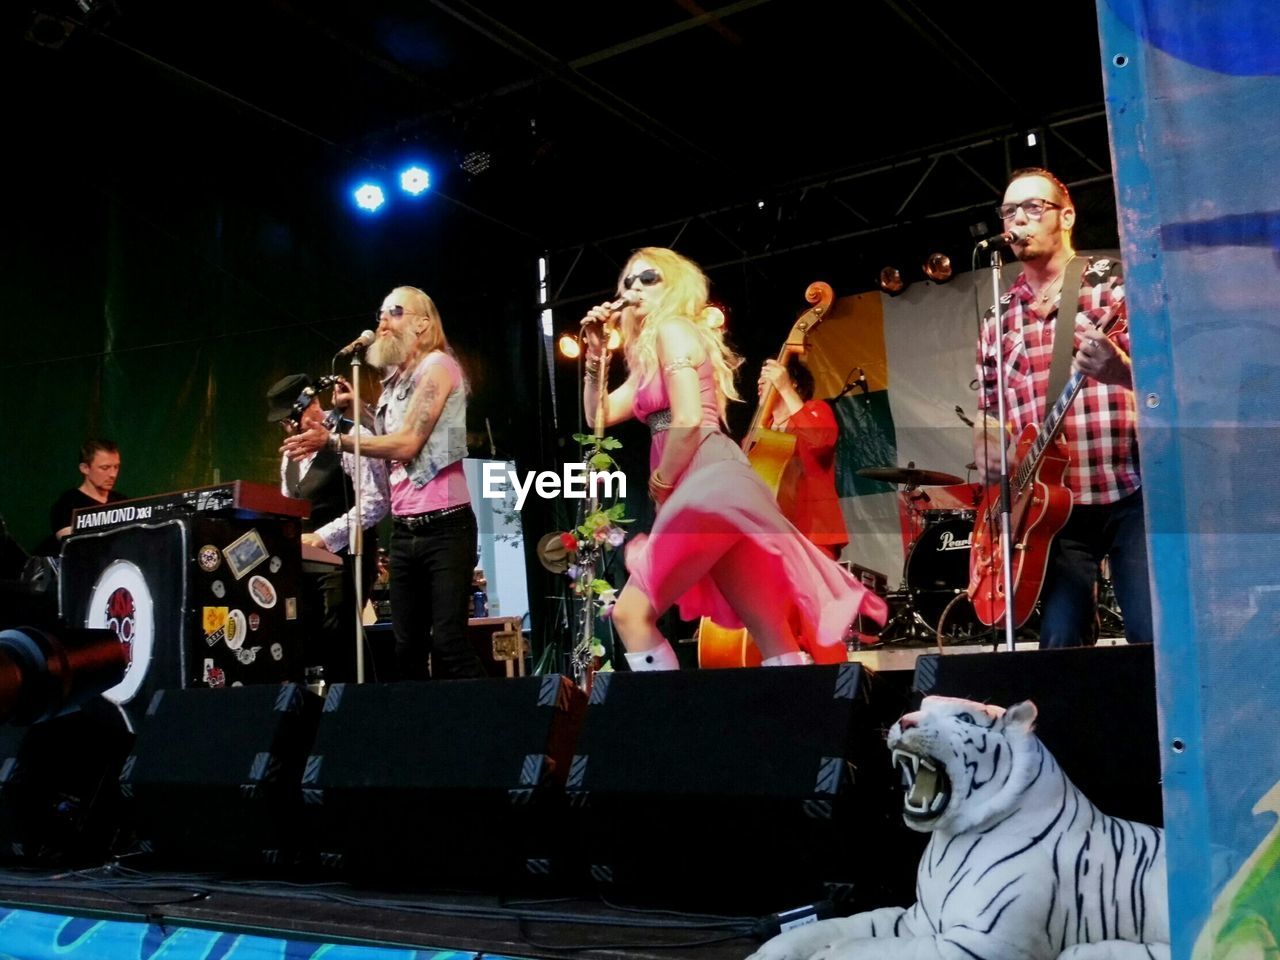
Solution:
(415, 180)
(569, 346)
(475, 162)
(937, 267)
(891, 280)
(714, 316)
(369, 197)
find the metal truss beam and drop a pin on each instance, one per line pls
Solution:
(909, 192)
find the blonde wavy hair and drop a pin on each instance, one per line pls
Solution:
(416, 301)
(684, 294)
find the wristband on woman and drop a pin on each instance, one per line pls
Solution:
(334, 442)
(659, 489)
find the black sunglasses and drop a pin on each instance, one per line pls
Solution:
(647, 277)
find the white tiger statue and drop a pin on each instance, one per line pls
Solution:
(1020, 864)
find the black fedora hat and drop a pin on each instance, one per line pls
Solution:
(285, 399)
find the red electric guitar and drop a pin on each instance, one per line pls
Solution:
(1039, 507)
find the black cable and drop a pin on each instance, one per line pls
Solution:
(626, 945)
(658, 911)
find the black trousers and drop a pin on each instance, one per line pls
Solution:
(329, 615)
(431, 569)
(1116, 530)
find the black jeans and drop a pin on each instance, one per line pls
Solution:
(431, 569)
(1069, 599)
(329, 615)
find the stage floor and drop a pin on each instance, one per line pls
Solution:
(336, 913)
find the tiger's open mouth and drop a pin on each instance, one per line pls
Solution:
(928, 789)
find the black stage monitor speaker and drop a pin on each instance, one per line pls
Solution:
(214, 775)
(755, 789)
(59, 792)
(443, 783)
(1097, 713)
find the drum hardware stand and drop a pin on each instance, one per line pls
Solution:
(907, 621)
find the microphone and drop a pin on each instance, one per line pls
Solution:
(358, 345)
(628, 299)
(1006, 239)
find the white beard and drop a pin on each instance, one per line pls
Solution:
(388, 352)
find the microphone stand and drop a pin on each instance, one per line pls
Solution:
(356, 547)
(1006, 506)
(581, 658)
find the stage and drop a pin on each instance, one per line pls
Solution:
(687, 813)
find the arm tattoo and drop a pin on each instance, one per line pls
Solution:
(425, 420)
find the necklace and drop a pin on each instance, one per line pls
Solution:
(1048, 290)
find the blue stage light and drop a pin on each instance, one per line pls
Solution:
(369, 196)
(415, 180)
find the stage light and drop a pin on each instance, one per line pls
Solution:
(415, 180)
(44, 673)
(1031, 138)
(937, 267)
(369, 196)
(569, 346)
(476, 162)
(891, 280)
(713, 314)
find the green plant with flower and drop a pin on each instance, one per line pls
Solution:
(600, 531)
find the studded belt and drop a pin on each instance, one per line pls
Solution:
(659, 421)
(420, 521)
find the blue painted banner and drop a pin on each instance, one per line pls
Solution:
(1193, 93)
(27, 935)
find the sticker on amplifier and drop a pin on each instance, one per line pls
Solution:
(245, 553)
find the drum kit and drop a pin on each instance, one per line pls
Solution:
(931, 602)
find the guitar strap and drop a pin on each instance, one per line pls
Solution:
(1064, 332)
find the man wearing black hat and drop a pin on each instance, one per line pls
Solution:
(324, 479)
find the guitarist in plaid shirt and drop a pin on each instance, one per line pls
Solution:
(1100, 428)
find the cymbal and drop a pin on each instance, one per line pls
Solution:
(910, 476)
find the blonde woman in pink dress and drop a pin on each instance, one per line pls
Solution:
(719, 546)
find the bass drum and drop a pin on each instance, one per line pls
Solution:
(938, 571)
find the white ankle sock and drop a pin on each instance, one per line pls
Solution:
(661, 657)
(792, 658)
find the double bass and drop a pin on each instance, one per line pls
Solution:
(769, 451)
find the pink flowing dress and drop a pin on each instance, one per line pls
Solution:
(721, 548)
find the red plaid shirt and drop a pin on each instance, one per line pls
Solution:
(1100, 427)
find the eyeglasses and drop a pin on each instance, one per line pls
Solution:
(1034, 208)
(396, 311)
(647, 277)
